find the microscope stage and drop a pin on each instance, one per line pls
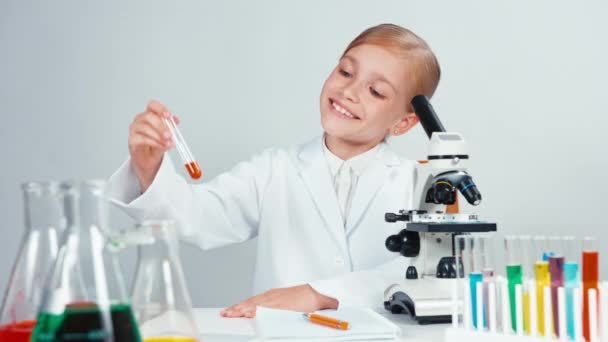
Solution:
(456, 227)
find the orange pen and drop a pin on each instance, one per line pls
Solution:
(326, 321)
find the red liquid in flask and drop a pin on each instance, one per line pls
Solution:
(194, 170)
(17, 332)
(590, 278)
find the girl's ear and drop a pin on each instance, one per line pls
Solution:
(404, 124)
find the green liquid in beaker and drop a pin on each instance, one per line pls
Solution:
(83, 323)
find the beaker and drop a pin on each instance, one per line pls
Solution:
(161, 300)
(85, 297)
(44, 225)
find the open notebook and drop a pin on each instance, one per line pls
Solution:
(364, 324)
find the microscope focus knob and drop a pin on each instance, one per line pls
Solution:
(446, 268)
(411, 245)
(394, 242)
(411, 273)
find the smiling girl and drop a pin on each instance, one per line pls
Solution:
(316, 209)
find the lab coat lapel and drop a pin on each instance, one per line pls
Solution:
(315, 174)
(369, 184)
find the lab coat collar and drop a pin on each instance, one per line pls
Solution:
(313, 149)
(316, 175)
(357, 163)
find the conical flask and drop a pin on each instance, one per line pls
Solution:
(85, 297)
(161, 300)
(44, 225)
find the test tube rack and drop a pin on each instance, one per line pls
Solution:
(498, 327)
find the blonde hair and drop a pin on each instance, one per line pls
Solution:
(425, 71)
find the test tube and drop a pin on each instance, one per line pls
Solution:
(571, 278)
(556, 270)
(468, 260)
(460, 250)
(513, 253)
(543, 278)
(527, 274)
(182, 148)
(590, 278)
(485, 242)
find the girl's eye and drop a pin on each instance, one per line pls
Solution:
(345, 73)
(375, 93)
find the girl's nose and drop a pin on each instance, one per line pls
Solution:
(350, 92)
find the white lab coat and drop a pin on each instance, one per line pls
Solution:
(287, 199)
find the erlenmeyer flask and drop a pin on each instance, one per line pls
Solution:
(85, 297)
(44, 225)
(161, 300)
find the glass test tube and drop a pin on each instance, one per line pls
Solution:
(590, 277)
(513, 253)
(571, 278)
(182, 148)
(527, 273)
(476, 274)
(488, 266)
(471, 271)
(556, 270)
(460, 250)
(543, 279)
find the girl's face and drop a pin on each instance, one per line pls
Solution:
(366, 96)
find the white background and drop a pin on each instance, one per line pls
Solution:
(523, 81)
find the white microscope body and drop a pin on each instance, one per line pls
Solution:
(428, 239)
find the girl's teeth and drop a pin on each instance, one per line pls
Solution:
(342, 110)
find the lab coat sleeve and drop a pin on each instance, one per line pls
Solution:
(220, 212)
(363, 288)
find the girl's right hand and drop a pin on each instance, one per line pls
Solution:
(149, 139)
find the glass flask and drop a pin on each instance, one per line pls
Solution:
(85, 297)
(44, 225)
(161, 300)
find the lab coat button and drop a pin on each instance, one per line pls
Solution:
(338, 261)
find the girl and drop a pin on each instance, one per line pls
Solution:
(316, 209)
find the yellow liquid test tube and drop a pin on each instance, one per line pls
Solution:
(543, 278)
(526, 305)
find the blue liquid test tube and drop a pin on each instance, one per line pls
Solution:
(572, 254)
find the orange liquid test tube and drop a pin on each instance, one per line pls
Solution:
(590, 278)
(190, 163)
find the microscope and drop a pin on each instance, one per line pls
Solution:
(428, 238)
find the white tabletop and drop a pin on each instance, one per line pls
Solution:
(213, 327)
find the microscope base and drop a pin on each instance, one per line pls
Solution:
(427, 300)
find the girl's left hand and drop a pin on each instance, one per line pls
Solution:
(301, 298)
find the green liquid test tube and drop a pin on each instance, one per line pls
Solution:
(514, 277)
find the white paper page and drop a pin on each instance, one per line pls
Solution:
(210, 322)
(363, 324)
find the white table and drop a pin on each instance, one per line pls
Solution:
(215, 328)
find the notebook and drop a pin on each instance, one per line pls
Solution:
(364, 324)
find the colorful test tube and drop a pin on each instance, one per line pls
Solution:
(590, 278)
(514, 272)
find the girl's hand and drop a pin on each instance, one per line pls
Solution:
(301, 298)
(149, 139)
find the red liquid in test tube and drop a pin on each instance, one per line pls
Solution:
(182, 149)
